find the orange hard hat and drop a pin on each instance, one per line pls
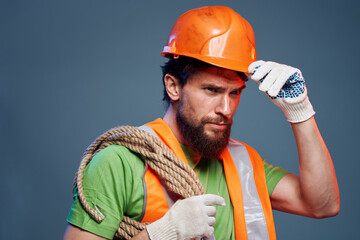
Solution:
(216, 35)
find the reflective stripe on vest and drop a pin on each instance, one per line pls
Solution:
(254, 215)
(243, 169)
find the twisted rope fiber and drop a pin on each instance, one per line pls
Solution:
(178, 176)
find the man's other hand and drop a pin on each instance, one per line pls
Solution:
(189, 218)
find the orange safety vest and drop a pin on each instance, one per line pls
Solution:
(253, 217)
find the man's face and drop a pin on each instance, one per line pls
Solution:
(206, 108)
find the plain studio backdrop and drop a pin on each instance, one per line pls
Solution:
(70, 70)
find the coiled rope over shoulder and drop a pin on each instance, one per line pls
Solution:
(178, 176)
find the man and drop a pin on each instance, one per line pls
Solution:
(210, 50)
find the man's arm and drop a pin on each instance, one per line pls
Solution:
(75, 233)
(189, 218)
(314, 193)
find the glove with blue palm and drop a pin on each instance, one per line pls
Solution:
(286, 88)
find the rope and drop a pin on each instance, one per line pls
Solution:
(178, 176)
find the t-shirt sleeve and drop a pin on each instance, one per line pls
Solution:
(273, 176)
(112, 183)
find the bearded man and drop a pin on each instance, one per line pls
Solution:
(211, 53)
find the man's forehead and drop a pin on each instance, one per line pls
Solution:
(228, 74)
(223, 74)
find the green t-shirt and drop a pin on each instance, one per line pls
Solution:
(113, 182)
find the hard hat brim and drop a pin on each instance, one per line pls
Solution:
(226, 63)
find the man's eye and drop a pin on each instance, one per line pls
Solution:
(237, 92)
(211, 89)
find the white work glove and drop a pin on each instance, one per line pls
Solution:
(190, 218)
(286, 88)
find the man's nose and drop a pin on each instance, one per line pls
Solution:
(224, 106)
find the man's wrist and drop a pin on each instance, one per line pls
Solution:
(297, 112)
(161, 229)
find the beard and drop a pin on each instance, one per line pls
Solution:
(196, 137)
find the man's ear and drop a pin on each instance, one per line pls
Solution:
(173, 87)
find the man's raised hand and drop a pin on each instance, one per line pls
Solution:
(286, 88)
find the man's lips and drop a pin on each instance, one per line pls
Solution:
(220, 126)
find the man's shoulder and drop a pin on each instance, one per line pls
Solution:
(116, 155)
(116, 149)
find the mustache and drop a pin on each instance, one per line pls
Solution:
(218, 120)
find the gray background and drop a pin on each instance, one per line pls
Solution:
(70, 70)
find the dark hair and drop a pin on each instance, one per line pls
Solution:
(184, 67)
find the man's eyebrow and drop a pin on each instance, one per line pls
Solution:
(242, 87)
(216, 86)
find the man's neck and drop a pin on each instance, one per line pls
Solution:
(192, 156)
(170, 119)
